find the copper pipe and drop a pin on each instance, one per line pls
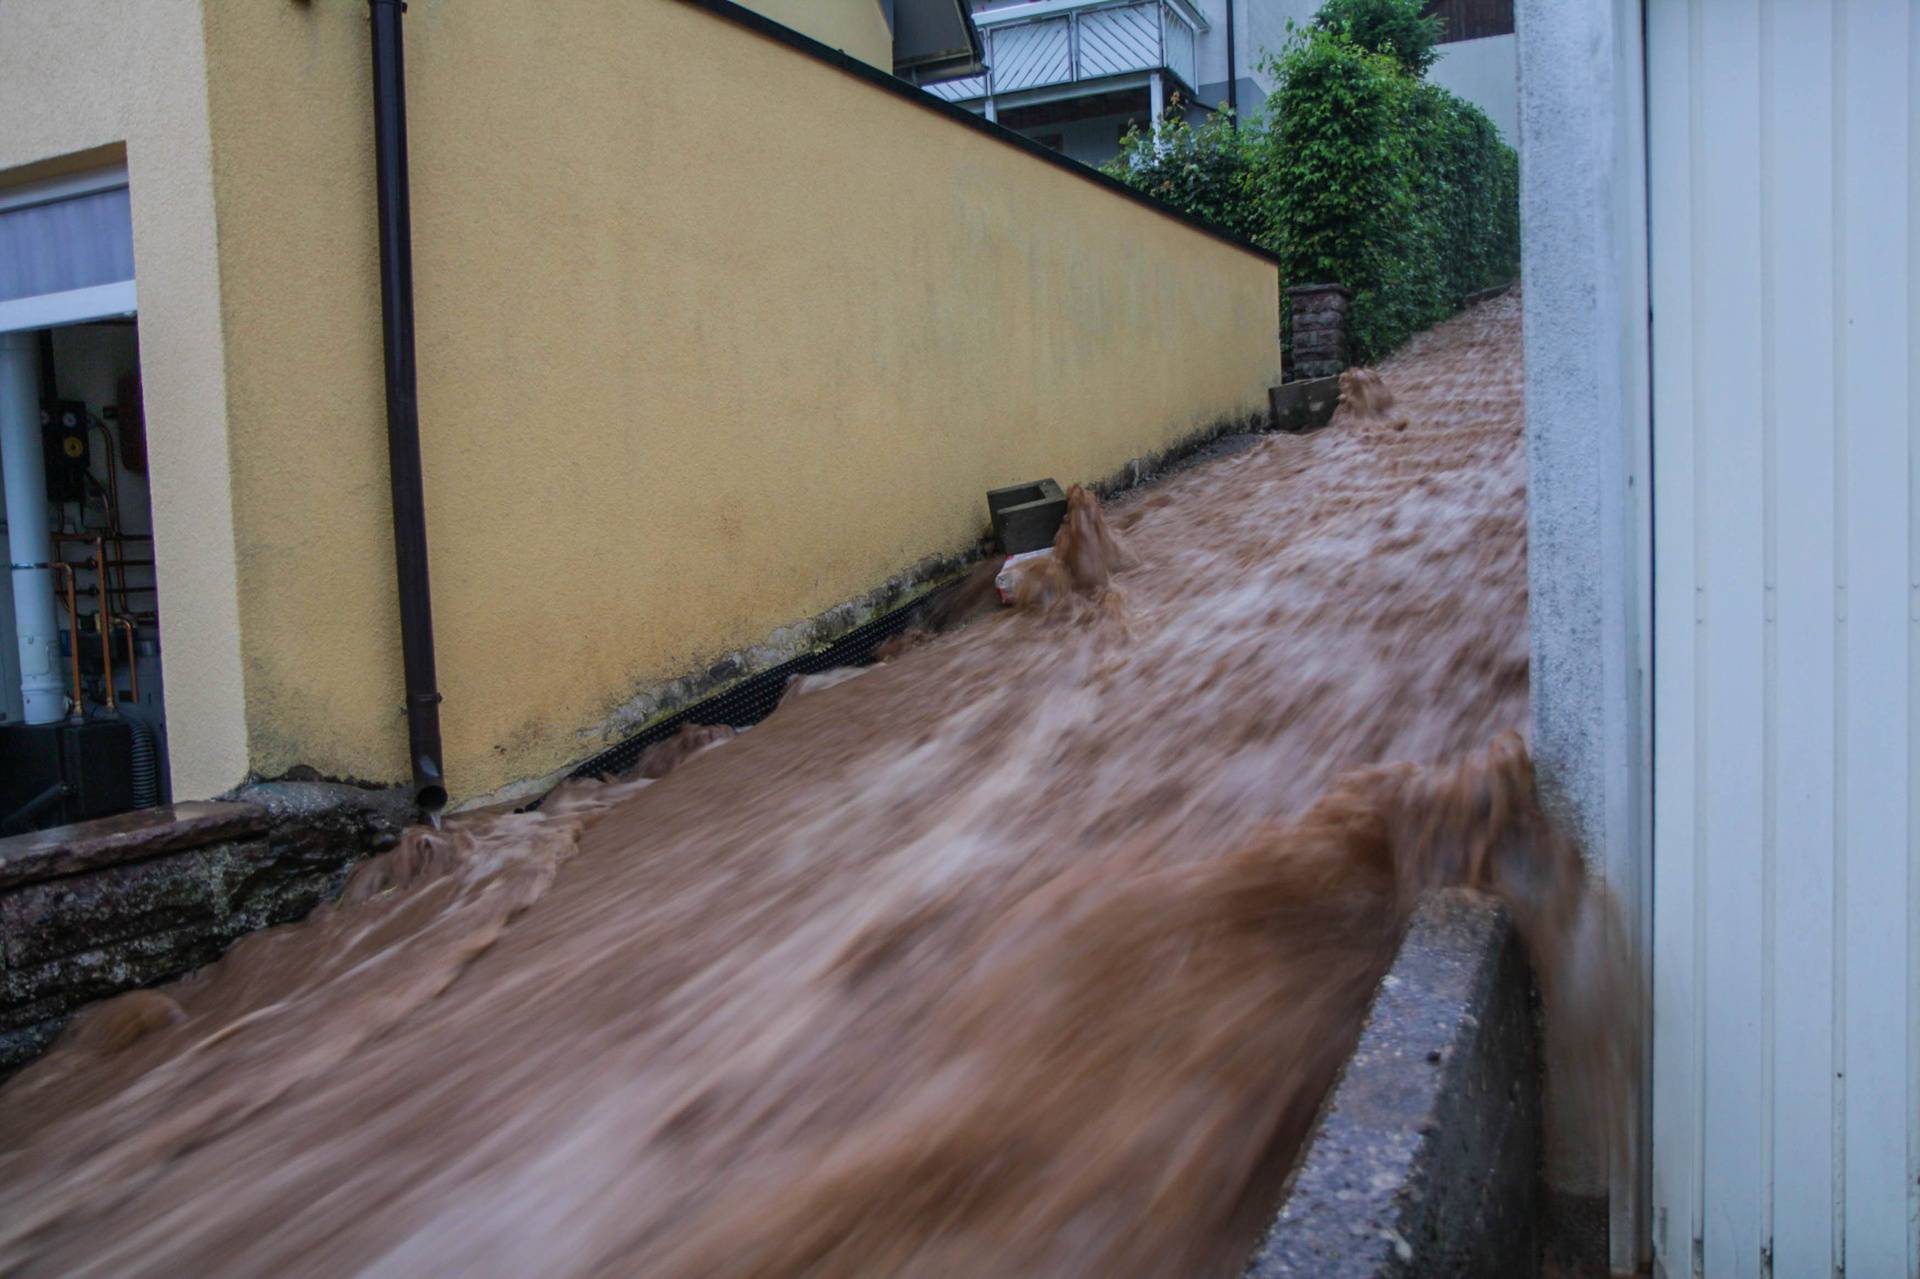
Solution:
(73, 631)
(133, 667)
(119, 564)
(111, 537)
(113, 477)
(93, 591)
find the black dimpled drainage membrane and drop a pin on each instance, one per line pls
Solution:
(753, 698)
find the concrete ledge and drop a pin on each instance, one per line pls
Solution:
(1424, 1161)
(109, 841)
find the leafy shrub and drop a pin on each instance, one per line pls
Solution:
(1356, 171)
(1207, 171)
(1467, 188)
(1336, 166)
(1398, 28)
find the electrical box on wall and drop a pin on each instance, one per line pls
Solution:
(63, 436)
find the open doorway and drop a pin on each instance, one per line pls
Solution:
(82, 704)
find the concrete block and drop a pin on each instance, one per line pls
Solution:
(1304, 406)
(1026, 516)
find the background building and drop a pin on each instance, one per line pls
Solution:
(1077, 74)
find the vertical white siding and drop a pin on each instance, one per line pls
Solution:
(1784, 190)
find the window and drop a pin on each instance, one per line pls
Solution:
(1472, 19)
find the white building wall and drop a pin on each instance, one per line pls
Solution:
(1584, 221)
(1486, 73)
(1784, 189)
(1264, 30)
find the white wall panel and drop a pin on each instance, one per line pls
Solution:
(1486, 73)
(1783, 171)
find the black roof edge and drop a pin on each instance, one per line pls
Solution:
(940, 70)
(759, 23)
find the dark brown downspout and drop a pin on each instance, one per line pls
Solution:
(1233, 76)
(403, 408)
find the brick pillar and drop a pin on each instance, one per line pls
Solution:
(1319, 329)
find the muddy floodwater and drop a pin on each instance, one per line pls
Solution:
(1031, 951)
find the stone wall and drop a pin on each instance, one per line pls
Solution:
(1319, 329)
(94, 909)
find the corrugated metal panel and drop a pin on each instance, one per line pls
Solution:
(1031, 54)
(960, 90)
(1125, 38)
(1180, 51)
(1784, 165)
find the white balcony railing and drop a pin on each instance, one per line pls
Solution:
(1047, 43)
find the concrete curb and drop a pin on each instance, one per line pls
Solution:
(1424, 1161)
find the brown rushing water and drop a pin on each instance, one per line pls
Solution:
(1031, 952)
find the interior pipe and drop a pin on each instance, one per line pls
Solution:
(403, 408)
(104, 620)
(29, 544)
(23, 818)
(78, 703)
(133, 669)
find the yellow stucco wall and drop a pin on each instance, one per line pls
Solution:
(856, 26)
(87, 82)
(712, 336)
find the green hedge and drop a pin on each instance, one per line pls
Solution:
(1401, 29)
(1358, 172)
(1207, 171)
